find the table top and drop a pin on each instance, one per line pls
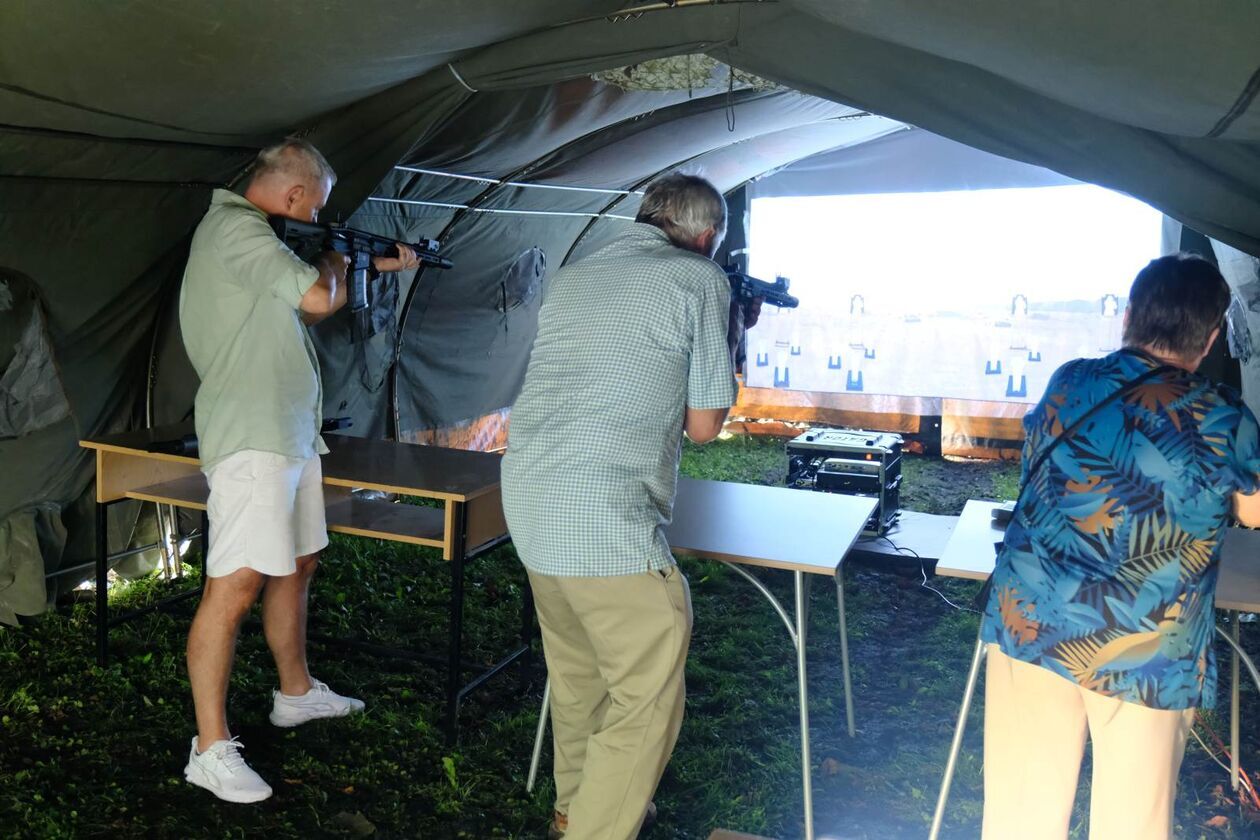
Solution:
(777, 527)
(925, 534)
(390, 466)
(1238, 587)
(409, 468)
(971, 554)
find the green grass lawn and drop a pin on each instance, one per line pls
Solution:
(88, 752)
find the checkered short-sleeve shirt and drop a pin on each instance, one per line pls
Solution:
(627, 338)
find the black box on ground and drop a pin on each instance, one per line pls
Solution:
(854, 462)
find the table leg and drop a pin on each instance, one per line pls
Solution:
(1234, 712)
(802, 687)
(956, 747)
(102, 583)
(797, 633)
(805, 585)
(538, 737)
(456, 626)
(1232, 638)
(844, 651)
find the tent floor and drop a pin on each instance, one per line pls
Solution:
(88, 752)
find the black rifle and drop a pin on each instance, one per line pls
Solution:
(308, 238)
(188, 444)
(745, 288)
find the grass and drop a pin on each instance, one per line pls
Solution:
(93, 752)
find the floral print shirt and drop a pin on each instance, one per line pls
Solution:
(1107, 573)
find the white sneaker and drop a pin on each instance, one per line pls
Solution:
(320, 702)
(223, 772)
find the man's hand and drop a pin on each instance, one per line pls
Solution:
(752, 312)
(405, 260)
(743, 316)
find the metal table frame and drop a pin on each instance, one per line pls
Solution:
(103, 620)
(126, 471)
(797, 629)
(973, 677)
(1237, 654)
(796, 624)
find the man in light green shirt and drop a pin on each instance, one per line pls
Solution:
(633, 348)
(244, 306)
(239, 314)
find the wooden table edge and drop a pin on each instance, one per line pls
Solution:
(132, 450)
(332, 481)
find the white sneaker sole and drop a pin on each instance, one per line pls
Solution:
(194, 775)
(286, 722)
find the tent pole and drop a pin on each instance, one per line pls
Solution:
(476, 201)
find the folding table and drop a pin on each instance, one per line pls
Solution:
(971, 554)
(772, 527)
(468, 523)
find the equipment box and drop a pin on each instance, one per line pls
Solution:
(853, 462)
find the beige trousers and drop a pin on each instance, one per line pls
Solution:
(615, 650)
(1035, 724)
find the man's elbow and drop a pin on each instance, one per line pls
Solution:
(703, 425)
(319, 302)
(703, 435)
(318, 308)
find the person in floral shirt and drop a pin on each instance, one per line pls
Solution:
(1099, 618)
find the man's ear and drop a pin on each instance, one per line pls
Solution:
(294, 195)
(1211, 340)
(706, 241)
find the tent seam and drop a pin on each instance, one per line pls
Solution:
(1240, 106)
(460, 78)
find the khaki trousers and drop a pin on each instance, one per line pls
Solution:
(1035, 724)
(615, 650)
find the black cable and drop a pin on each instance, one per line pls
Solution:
(923, 571)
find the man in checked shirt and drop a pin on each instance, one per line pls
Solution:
(632, 350)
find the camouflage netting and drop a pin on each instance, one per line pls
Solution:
(682, 72)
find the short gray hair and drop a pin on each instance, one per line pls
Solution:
(684, 206)
(293, 157)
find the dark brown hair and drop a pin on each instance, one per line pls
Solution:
(1175, 303)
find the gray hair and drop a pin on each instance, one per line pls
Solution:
(684, 206)
(295, 158)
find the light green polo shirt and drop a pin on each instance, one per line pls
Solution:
(238, 310)
(627, 339)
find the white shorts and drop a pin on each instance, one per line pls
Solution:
(265, 510)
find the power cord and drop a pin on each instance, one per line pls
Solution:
(923, 571)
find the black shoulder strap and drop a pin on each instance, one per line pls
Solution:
(982, 597)
(1127, 388)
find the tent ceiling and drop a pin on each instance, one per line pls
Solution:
(903, 161)
(227, 71)
(1106, 58)
(149, 68)
(499, 132)
(666, 138)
